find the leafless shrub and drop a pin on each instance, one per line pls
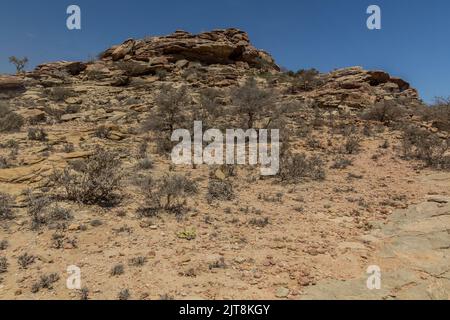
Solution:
(220, 190)
(57, 213)
(4, 245)
(45, 282)
(3, 265)
(439, 114)
(4, 163)
(171, 114)
(252, 101)
(145, 164)
(124, 294)
(168, 193)
(294, 168)
(117, 270)
(20, 64)
(9, 120)
(59, 94)
(36, 208)
(218, 264)
(94, 181)
(210, 107)
(68, 147)
(352, 145)
(171, 110)
(341, 163)
(102, 132)
(62, 241)
(423, 145)
(25, 260)
(6, 203)
(138, 261)
(37, 134)
(305, 80)
(84, 293)
(259, 222)
(385, 111)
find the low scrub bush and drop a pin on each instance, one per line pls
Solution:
(423, 145)
(92, 181)
(6, 203)
(9, 120)
(295, 167)
(220, 190)
(168, 193)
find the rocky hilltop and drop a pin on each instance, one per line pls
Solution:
(220, 58)
(86, 179)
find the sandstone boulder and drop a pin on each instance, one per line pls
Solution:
(11, 83)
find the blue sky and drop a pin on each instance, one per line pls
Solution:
(325, 34)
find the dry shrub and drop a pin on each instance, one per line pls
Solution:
(92, 181)
(172, 104)
(59, 94)
(6, 203)
(3, 265)
(305, 80)
(169, 193)
(341, 163)
(252, 101)
(352, 145)
(295, 167)
(439, 114)
(171, 113)
(45, 282)
(220, 190)
(102, 132)
(423, 145)
(9, 120)
(385, 111)
(37, 134)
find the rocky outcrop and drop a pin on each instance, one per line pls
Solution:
(70, 68)
(11, 86)
(220, 58)
(11, 83)
(216, 47)
(357, 88)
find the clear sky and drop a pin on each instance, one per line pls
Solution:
(414, 42)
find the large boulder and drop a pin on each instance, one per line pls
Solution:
(59, 68)
(11, 83)
(11, 86)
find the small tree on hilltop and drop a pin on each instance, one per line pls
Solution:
(19, 63)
